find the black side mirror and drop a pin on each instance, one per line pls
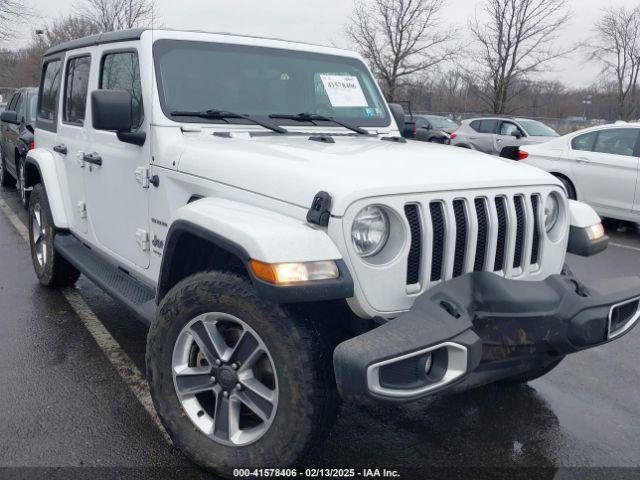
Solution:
(398, 114)
(517, 133)
(9, 116)
(111, 110)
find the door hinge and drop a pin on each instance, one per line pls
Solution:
(82, 208)
(142, 239)
(144, 177)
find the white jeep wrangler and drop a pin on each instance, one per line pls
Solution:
(252, 200)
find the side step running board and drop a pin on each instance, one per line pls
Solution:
(124, 288)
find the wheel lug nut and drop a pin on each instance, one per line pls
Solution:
(238, 386)
(218, 362)
(235, 366)
(213, 379)
(225, 394)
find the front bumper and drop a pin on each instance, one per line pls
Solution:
(481, 328)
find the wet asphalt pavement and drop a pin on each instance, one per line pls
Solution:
(64, 405)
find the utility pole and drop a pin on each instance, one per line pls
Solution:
(586, 102)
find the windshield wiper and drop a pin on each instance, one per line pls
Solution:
(213, 114)
(312, 117)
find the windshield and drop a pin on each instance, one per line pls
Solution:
(534, 128)
(257, 81)
(442, 122)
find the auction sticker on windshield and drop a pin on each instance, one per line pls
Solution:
(344, 91)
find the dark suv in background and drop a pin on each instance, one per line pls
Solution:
(17, 129)
(428, 128)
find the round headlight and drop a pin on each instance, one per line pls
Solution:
(551, 212)
(370, 231)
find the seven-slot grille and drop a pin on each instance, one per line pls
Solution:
(473, 234)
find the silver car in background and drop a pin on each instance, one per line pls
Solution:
(493, 135)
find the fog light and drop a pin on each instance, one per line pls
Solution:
(284, 273)
(595, 232)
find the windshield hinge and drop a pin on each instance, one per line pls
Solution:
(320, 211)
(144, 178)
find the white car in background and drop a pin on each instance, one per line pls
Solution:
(597, 165)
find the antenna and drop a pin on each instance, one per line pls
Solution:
(151, 83)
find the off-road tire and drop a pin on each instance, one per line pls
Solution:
(6, 180)
(531, 375)
(56, 271)
(301, 354)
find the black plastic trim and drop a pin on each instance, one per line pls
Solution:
(101, 38)
(320, 211)
(110, 277)
(581, 244)
(339, 288)
(137, 137)
(507, 327)
(28, 180)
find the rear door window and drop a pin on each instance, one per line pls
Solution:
(12, 103)
(50, 90)
(488, 126)
(584, 142)
(475, 125)
(20, 107)
(76, 85)
(618, 141)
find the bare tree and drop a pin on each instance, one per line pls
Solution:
(109, 15)
(22, 67)
(618, 49)
(399, 38)
(515, 39)
(63, 30)
(10, 12)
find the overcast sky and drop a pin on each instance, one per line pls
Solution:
(323, 21)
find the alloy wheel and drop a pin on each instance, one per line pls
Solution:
(2, 172)
(224, 378)
(21, 188)
(40, 235)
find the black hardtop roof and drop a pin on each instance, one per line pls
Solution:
(109, 37)
(136, 33)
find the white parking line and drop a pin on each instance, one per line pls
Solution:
(628, 247)
(131, 376)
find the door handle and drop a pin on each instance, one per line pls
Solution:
(473, 138)
(61, 149)
(582, 160)
(92, 158)
(499, 140)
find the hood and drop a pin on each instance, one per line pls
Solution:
(292, 168)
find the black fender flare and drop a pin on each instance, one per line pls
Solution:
(339, 288)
